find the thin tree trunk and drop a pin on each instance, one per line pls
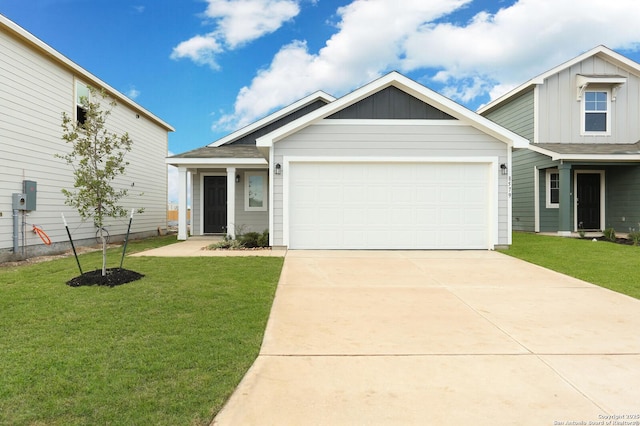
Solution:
(104, 252)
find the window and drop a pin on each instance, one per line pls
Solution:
(553, 189)
(596, 112)
(82, 96)
(255, 191)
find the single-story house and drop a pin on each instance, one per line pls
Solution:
(391, 165)
(38, 85)
(581, 169)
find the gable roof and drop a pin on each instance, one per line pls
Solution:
(227, 150)
(274, 117)
(19, 33)
(601, 51)
(407, 85)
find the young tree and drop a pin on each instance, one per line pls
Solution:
(97, 158)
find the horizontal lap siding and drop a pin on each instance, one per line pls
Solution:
(245, 221)
(623, 198)
(362, 140)
(34, 92)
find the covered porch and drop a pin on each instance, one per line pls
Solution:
(226, 187)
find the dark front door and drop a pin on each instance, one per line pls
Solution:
(215, 204)
(588, 199)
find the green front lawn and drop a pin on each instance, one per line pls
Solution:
(167, 349)
(609, 265)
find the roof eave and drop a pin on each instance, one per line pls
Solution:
(171, 161)
(20, 33)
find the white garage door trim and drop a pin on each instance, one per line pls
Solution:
(492, 162)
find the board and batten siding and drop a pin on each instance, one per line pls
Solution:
(560, 111)
(426, 138)
(34, 92)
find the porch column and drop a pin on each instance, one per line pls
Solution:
(564, 208)
(182, 203)
(231, 202)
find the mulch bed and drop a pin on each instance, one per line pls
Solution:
(624, 241)
(114, 277)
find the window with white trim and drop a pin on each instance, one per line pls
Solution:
(83, 95)
(596, 112)
(255, 191)
(553, 189)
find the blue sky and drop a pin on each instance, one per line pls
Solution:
(208, 67)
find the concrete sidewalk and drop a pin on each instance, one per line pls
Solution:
(439, 338)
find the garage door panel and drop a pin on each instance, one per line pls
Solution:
(393, 206)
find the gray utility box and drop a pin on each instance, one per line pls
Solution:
(30, 190)
(19, 201)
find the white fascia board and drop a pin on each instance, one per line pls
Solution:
(556, 156)
(232, 162)
(601, 50)
(319, 95)
(409, 86)
(18, 32)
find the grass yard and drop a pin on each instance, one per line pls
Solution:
(165, 350)
(609, 265)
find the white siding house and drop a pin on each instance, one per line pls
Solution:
(392, 165)
(38, 84)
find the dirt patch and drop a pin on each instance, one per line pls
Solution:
(113, 277)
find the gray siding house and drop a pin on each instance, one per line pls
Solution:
(38, 84)
(392, 165)
(581, 170)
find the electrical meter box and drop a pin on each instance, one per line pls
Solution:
(30, 191)
(19, 201)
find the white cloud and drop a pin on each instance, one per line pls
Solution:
(238, 22)
(482, 57)
(368, 43)
(133, 93)
(242, 21)
(200, 49)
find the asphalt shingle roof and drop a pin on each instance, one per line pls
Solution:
(592, 148)
(224, 151)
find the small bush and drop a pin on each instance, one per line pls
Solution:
(263, 240)
(609, 234)
(227, 243)
(249, 240)
(635, 237)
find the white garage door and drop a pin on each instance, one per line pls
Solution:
(389, 205)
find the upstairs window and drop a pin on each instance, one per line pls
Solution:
(596, 112)
(82, 96)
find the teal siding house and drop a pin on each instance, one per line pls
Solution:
(581, 170)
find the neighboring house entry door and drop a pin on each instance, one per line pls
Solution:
(588, 200)
(215, 204)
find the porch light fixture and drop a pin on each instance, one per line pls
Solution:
(237, 178)
(503, 169)
(278, 169)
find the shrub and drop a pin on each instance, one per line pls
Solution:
(635, 237)
(609, 234)
(227, 243)
(263, 240)
(249, 240)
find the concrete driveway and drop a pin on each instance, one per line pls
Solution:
(439, 338)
